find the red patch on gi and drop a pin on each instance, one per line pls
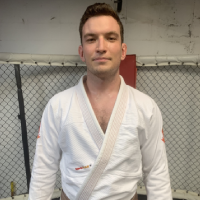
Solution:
(39, 132)
(163, 139)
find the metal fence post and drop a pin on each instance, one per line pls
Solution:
(23, 124)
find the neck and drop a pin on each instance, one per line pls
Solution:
(98, 87)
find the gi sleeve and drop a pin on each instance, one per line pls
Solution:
(47, 157)
(154, 158)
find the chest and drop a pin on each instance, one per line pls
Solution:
(103, 116)
(103, 111)
(79, 148)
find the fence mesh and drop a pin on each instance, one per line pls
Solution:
(12, 166)
(39, 84)
(176, 89)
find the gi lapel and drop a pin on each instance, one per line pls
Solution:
(89, 116)
(108, 144)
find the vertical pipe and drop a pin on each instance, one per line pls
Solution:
(23, 124)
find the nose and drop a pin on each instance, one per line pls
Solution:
(101, 45)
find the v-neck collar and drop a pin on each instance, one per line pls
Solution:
(89, 115)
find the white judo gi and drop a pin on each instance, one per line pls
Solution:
(98, 166)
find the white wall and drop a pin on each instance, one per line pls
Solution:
(160, 27)
(152, 27)
(41, 26)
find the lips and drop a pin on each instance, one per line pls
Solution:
(101, 59)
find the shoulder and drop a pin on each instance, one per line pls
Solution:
(145, 105)
(63, 96)
(142, 100)
(60, 102)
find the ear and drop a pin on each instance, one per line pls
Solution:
(124, 50)
(80, 52)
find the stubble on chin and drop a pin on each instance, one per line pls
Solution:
(103, 74)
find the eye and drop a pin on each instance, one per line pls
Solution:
(111, 38)
(90, 40)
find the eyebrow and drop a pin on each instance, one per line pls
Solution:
(109, 33)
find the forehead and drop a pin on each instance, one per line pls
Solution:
(100, 25)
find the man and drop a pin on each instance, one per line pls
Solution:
(102, 132)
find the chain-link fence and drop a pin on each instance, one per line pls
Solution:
(12, 167)
(39, 84)
(176, 89)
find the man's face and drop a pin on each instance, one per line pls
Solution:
(101, 47)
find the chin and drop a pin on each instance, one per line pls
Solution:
(104, 74)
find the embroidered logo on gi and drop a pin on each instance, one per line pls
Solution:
(163, 139)
(39, 132)
(84, 167)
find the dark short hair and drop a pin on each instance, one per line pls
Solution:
(99, 9)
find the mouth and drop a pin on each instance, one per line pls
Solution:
(101, 59)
